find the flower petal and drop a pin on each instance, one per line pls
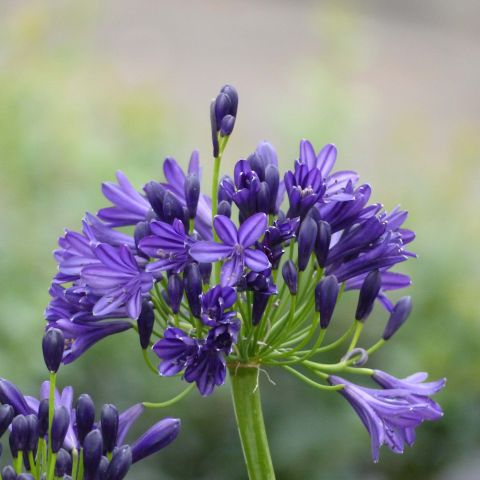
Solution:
(207, 252)
(226, 230)
(252, 229)
(256, 260)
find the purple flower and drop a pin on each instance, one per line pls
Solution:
(207, 370)
(275, 236)
(80, 336)
(118, 280)
(176, 350)
(235, 247)
(413, 383)
(130, 207)
(391, 415)
(214, 303)
(169, 243)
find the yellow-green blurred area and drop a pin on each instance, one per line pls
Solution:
(89, 87)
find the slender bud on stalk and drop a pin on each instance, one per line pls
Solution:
(193, 288)
(175, 292)
(260, 301)
(322, 242)
(272, 178)
(368, 293)
(145, 324)
(172, 208)
(398, 317)
(289, 273)
(306, 242)
(8, 473)
(43, 417)
(53, 345)
(205, 272)
(19, 435)
(120, 463)
(192, 193)
(92, 452)
(109, 423)
(85, 416)
(102, 469)
(6, 416)
(326, 293)
(61, 421)
(155, 195)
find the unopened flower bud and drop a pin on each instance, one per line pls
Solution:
(102, 469)
(306, 242)
(109, 423)
(175, 292)
(322, 242)
(368, 293)
(92, 452)
(289, 273)
(172, 208)
(260, 301)
(224, 208)
(142, 229)
(155, 195)
(226, 126)
(226, 189)
(205, 271)
(326, 293)
(120, 463)
(63, 463)
(53, 344)
(8, 473)
(272, 178)
(85, 416)
(192, 193)
(33, 435)
(398, 317)
(145, 324)
(60, 424)
(18, 435)
(42, 416)
(193, 288)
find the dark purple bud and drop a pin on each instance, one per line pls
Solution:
(193, 288)
(226, 189)
(155, 195)
(224, 208)
(260, 301)
(322, 242)
(8, 473)
(33, 434)
(157, 437)
(53, 344)
(145, 324)
(272, 178)
(205, 271)
(142, 229)
(368, 293)
(92, 452)
(306, 242)
(43, 418)
(326, 293)
(120, 463)
(6, 416)
(289, 273)
(85, 416)
(172, 208)
(263, 198)
(63, 464)
(213, 123)
(175, 292)
(223, 107)
(257, 165)
(18, 435)
(102, 469)
(226, 126)
(61, 421)
(109, 423)
(232, 94)
(192, 193)
(398, 317)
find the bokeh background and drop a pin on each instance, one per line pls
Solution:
(90, 87)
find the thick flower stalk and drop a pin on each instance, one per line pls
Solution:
(245, 279)
(50, 438)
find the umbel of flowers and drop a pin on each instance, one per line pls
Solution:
(50, 438)
(247, 278)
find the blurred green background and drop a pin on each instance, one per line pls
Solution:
(90, 87)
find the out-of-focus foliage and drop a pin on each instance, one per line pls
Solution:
(68, 120)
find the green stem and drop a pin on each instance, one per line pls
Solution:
(173, 400)
(148, 362)
(251, 427)
(51, 466)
